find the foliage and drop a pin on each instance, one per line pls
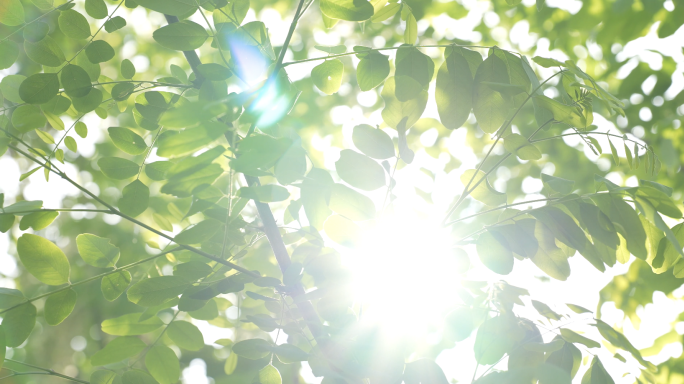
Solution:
(212, 146)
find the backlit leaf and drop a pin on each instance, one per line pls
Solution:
(118, 168)
(97, 251)
(350, 10)
(327, 76)
(162, 364)
(182, 36)
(39, 88)
(115, 284)
(59, 306)
(134, 199)
(117, 350)
(43, 259)
(360, 171)
(18, 324)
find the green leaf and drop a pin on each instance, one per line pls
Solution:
(327, 76)
(648, 210)
(9, 52)
(71, 144)
(115, 284)
(190, 140)
(264, 193)
(568, 358)
(46, 137)
(549, 258)
(315, 192)
(127, 69)
(97, 9)
(27, 118)
(93, 70)
(185, 335)
(89, 102)
(171, 7)
(81, 129)
(269, 375)
(18, 324)
(214, 72)
(350, 10)
(24, 205)
(411, 31)
(541, 114)
(127, 140)
(373, 142)
(599, 225)
(59, 306)
(10, 297)
(395, 111)
(351, 204)
(136, 376)
(573, 337)
(596, 374)
(182, 36)
(414, 71)
(515, 143)
(43, 259)
(157, 170)
(360, 170)
(454, 86)
(118, 350)
(114, 24)
(156, 290)
(494, 255)
(489, 106)
(484, 192)
(99, 51)
(662, 202)
(386, 12)
(342, 231)
(39, 88)
(102, 376)
(253, 349)
(372, 70)
(163, 364)
(336, 50)
(496, 337)
(547, 63)
(292, 166)
(11, 13)
(578, 309)
(74, 24)
(117, 168)
(38, 220)
(9, 86)
(135, 199)
(557, 184)
(626, 222)
(36, 31)
(130, 325)
(288, 353)
(46, 52)
(76, 81)
(54, 121)
(563, 113)
(545, 310)
(97, 251)
(258, 153)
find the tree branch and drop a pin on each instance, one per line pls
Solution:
(270, 227)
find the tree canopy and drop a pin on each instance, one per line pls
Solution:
(341, 191)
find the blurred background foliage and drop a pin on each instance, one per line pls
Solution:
(632, 47)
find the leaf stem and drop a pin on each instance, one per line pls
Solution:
(502, 130)
(69, 286)
(46, 372)
(139, 223)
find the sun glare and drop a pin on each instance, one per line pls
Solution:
(405, 275)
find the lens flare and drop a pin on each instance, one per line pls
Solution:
(405, 275)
